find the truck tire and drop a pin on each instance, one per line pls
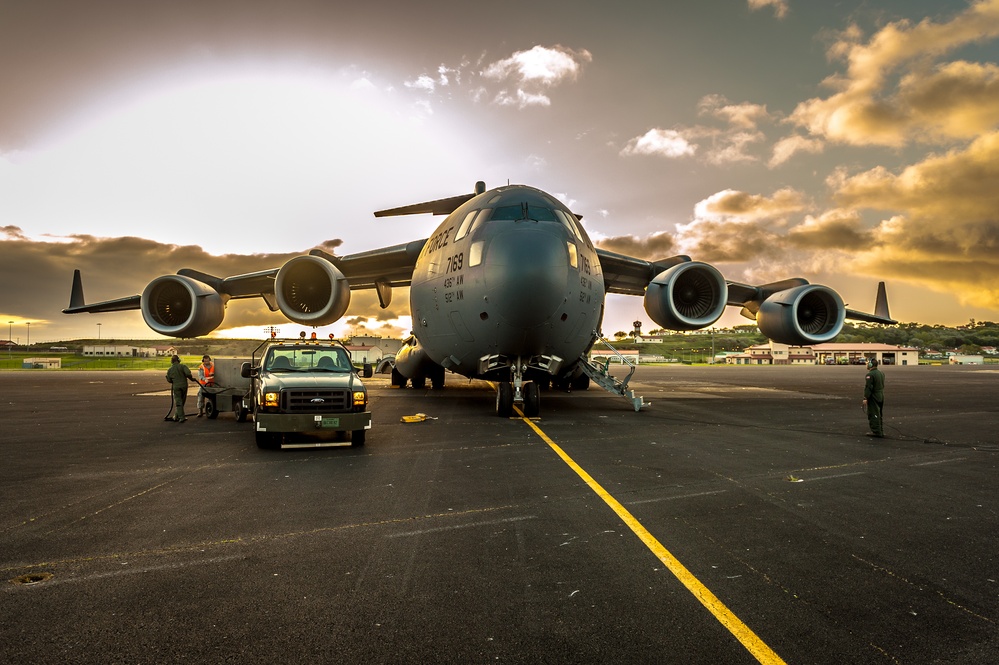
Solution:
(239, 410)
(268, 441)
(357, 438)
(211, 410)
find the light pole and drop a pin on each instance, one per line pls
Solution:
(10, 339)
(28, 323)
(98, 332)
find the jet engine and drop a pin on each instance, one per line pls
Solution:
(311, 291)
(688, 296)
(809, 314)
(180, 306)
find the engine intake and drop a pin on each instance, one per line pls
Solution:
(809, 314)
(688, 296)
(311, 291)
(180, 306)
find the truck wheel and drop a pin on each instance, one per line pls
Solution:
(211, 411)
(357, 438)
(268, 441)
(240, 411)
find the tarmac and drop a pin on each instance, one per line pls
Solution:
(742, 517)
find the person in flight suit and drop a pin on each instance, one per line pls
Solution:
(178, 375)
(206, 377)
(874, 398)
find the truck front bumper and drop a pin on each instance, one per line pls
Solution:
(278, 423)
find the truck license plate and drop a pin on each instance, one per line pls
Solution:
(330, 422)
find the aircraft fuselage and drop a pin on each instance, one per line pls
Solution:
(508, 277)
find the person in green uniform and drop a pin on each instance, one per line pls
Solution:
(178, 375)
(874, 398)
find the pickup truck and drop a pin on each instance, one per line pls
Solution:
(305, 386)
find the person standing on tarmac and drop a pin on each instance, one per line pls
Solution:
(206, 377)
(874, 398)
(178, 375)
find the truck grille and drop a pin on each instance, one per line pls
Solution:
(308, 401)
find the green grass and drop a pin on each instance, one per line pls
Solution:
(70, 361)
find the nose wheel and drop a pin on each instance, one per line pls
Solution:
(532, 400)
(505, 399)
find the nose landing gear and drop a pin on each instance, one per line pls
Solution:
(527, 394)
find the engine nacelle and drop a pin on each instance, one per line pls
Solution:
(180, 306)
(809, 314)
(688, 296)
(311, 291)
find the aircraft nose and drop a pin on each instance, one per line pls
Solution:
(526, 271)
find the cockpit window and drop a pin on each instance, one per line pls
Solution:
(465, 225)
(525, 211)
(569, 223)
(508, 212)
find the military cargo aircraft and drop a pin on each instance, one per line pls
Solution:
(509, 288)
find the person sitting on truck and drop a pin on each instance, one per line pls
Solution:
(206, 377)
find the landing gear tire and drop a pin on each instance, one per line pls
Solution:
(419, 382)
(532, 399)
(357, 438)
(504, 399)
(398, 380)
(581, 382)
(437, 378)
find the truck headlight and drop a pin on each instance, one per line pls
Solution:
(271, 399)
(360, 398)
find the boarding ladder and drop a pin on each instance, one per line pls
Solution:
(602, 377)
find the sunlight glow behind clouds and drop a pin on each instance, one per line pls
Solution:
(220, 159)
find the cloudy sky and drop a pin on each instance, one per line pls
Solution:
(845, 142)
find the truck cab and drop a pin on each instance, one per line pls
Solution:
(305, 387)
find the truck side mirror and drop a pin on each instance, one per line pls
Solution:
(246, 371)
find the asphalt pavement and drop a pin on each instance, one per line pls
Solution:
(742, 517)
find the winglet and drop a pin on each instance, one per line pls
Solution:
(881, 304)
(76, 296)
(880, 315)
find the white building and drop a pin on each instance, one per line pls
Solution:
(958, 359)
(41, 363)
(825, 354)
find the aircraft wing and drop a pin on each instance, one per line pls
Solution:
(630, 276)
(390, 265)
(191, 294)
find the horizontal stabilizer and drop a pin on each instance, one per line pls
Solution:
(438, 207)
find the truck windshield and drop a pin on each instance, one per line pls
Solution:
(313, 359)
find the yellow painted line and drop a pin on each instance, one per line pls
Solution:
(732, 623)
